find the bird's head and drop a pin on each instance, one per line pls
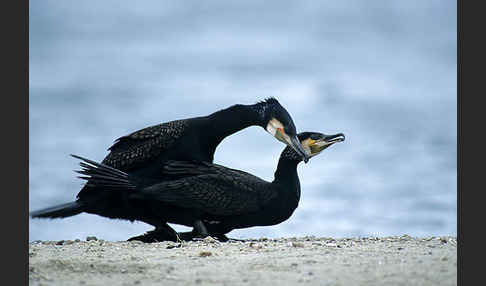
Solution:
(313, 143)
(278, 122)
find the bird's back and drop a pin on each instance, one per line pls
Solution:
(210, 188)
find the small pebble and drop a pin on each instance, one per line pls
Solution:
(91, 238)
(297, 244)
(170, 246)
(210, 239)
(205, 253)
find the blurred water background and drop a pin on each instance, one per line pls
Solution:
(382, 72)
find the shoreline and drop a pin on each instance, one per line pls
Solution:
(396, 260)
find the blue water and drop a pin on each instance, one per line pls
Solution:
(383, 73)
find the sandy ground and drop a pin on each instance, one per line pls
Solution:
(402, 260)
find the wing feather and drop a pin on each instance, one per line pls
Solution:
(211, 188)
(143, 145)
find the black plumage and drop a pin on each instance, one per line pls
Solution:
(213, 198)
(144, 152)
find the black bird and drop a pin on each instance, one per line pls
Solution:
(143, 153)
(212, 198)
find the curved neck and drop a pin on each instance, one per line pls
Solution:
(231, 120)
(286, 170)
(287, 178)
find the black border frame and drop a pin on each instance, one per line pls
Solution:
(15, 144)
(16, 74)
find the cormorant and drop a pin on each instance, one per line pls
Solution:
(143, 153)
(212, 198)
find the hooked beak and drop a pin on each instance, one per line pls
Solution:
(325, 141)
(297, 146)
(293, 142)
(275, 128)
(330, 139)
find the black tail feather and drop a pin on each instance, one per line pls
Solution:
(97, 175)
(59, 211)
(102, 176)
(103, 167)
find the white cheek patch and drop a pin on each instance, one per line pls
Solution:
(273, 125)
(270, 129)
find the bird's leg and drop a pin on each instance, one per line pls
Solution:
(170, 231)
(174, 233)
(162, 232)
(200, 229)
(186, 236)
(167, 230)
(148, 237)
(219, 232)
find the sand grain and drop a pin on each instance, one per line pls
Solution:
(292, 261)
